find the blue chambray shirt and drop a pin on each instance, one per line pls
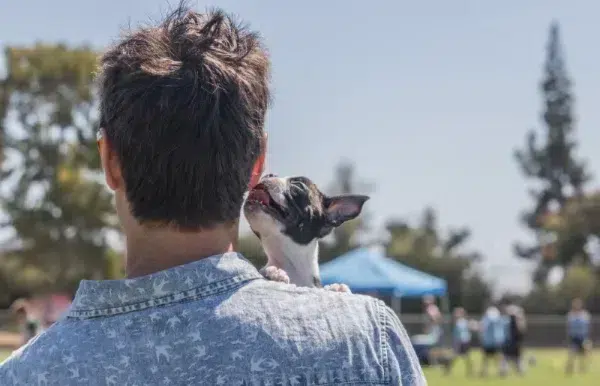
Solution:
(216, 322)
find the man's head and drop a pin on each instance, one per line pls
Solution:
(577, 304)
(182, 108)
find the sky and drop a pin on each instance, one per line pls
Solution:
(429, 99)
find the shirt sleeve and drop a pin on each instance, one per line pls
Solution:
(404, 367)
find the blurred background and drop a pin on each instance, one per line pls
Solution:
(473, 125)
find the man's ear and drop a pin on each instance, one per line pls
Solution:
(259, 165)
(340, 209)
(110, 165)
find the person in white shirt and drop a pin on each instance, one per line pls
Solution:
(433, 319)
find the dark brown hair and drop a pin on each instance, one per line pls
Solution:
(183, 105)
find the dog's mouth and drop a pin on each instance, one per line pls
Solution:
(260, 195)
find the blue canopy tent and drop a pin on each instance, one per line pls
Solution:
(368, 270)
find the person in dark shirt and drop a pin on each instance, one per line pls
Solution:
(515, 332)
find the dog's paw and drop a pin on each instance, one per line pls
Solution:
(275, 274)
(338, 288)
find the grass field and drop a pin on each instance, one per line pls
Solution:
(548, 371)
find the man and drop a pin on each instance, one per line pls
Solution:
(514, 334)
(182, 138)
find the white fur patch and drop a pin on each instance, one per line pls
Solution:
(263, 223)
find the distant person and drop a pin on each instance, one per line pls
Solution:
(433, 319)
(181, 140)
(28, 326)
(462, 338)
(492, 338)
(513, 342)
(578, 333)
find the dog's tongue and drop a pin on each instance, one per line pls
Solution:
(260, 196)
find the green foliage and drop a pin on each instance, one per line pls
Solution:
(424, 248)
(552, 165)
(57, 205)
(579, 282)
(578, 223)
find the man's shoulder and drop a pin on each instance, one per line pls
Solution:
(308, 303)
(344, 326)
(332, 321)
(17, 363)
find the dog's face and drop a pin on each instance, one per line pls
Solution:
(295, 207)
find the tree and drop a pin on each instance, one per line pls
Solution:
(578, 282)
(553, 165)
(345, 237)
(424, 247)
(57, 206)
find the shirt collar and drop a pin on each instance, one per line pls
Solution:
(204, 277)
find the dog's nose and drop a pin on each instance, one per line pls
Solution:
(269, 175)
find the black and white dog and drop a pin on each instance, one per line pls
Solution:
(289, 215)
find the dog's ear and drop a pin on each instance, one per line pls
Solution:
(340, 209)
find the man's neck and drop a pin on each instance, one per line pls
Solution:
(300, 262)
(151, 250)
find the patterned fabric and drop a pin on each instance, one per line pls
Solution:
(216, 322)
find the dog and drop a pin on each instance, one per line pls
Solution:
(290, 215)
